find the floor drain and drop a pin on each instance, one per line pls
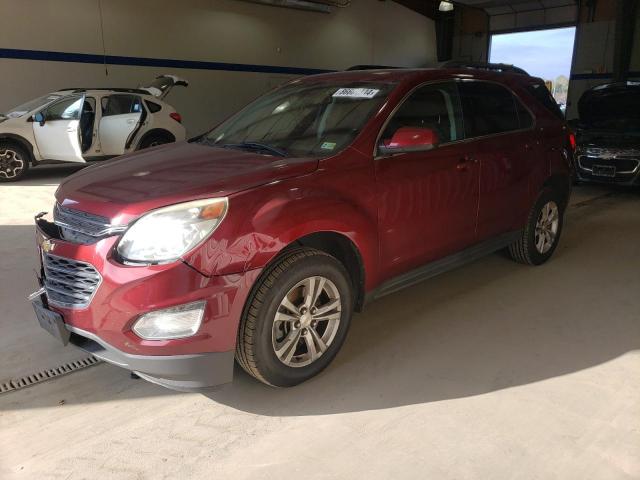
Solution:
(47, 374)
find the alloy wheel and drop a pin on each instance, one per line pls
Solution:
(306, 321)
(11, 163)
(547, 227)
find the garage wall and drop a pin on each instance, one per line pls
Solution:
(592, 62)
(232, 31)
(533, 18)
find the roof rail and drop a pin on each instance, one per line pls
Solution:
(116, 89)
(370, 67)
(494, 67)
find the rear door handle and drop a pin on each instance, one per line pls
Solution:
(131, 121)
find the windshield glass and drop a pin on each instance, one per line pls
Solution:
(302, 119)
(27, 107)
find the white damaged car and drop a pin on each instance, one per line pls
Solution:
(86, 124)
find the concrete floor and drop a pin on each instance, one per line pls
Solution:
(492, 371)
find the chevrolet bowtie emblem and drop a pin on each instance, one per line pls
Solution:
(46, 246)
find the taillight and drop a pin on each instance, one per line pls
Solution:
(572, 141)
(176, 116)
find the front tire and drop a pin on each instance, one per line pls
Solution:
(296, 318)
(14, 162)
(541, 234)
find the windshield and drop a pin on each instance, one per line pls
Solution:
(302, 119)
(27, 107)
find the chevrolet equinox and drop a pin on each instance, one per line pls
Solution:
(259, 239)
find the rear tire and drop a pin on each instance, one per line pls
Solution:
(14, 161)
(154, 140)
(541, 234)
(296, 318)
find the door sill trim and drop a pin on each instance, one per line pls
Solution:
(442, 265)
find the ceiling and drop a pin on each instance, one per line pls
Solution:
(501, 7)
(428, 8)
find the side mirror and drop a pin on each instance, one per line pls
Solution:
(39, 117)
(410, 139)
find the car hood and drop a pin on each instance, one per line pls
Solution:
(611, 107)
(124, 188)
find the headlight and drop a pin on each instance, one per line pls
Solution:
(166, 234)
(175, 322)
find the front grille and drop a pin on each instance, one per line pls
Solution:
(623, 165)
(69, 283)
(82, 227)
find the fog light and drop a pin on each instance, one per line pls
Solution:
(175, 322)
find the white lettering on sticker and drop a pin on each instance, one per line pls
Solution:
(356, 93)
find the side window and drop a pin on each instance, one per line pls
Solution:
(153, 107)
(488, 108)
(120, 105)
(67, 109)
(436, 107)
(524, 116)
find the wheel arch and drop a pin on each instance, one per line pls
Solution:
(157, 131)
(561, 184)
(23, 142)
(344, 250)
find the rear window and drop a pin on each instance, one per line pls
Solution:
(488, 108)
(543, 95)
(153, 107)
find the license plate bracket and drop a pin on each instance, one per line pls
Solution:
(52, 322)
(604, 170)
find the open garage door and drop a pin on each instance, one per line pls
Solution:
(543, 53)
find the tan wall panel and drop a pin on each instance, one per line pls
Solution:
(229, 31)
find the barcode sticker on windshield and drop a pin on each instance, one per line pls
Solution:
(356, 92)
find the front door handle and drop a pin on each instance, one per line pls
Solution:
(463, 164)
(131, 121)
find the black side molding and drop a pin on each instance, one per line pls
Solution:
(443, 265)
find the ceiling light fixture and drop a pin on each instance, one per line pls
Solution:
(445, 6)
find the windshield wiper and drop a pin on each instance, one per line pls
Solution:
(257, 147)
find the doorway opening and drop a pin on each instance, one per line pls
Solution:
(542, 53)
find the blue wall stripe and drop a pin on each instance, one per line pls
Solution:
(590, 76)
(152, 62)
(50, 56)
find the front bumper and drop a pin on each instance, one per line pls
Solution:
(124, 293)
(177, 372)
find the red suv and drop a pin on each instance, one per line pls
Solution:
(258, 240)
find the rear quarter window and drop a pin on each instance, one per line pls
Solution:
(542, 94)
(153, 107)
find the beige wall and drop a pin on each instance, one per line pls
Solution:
(369, 31)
